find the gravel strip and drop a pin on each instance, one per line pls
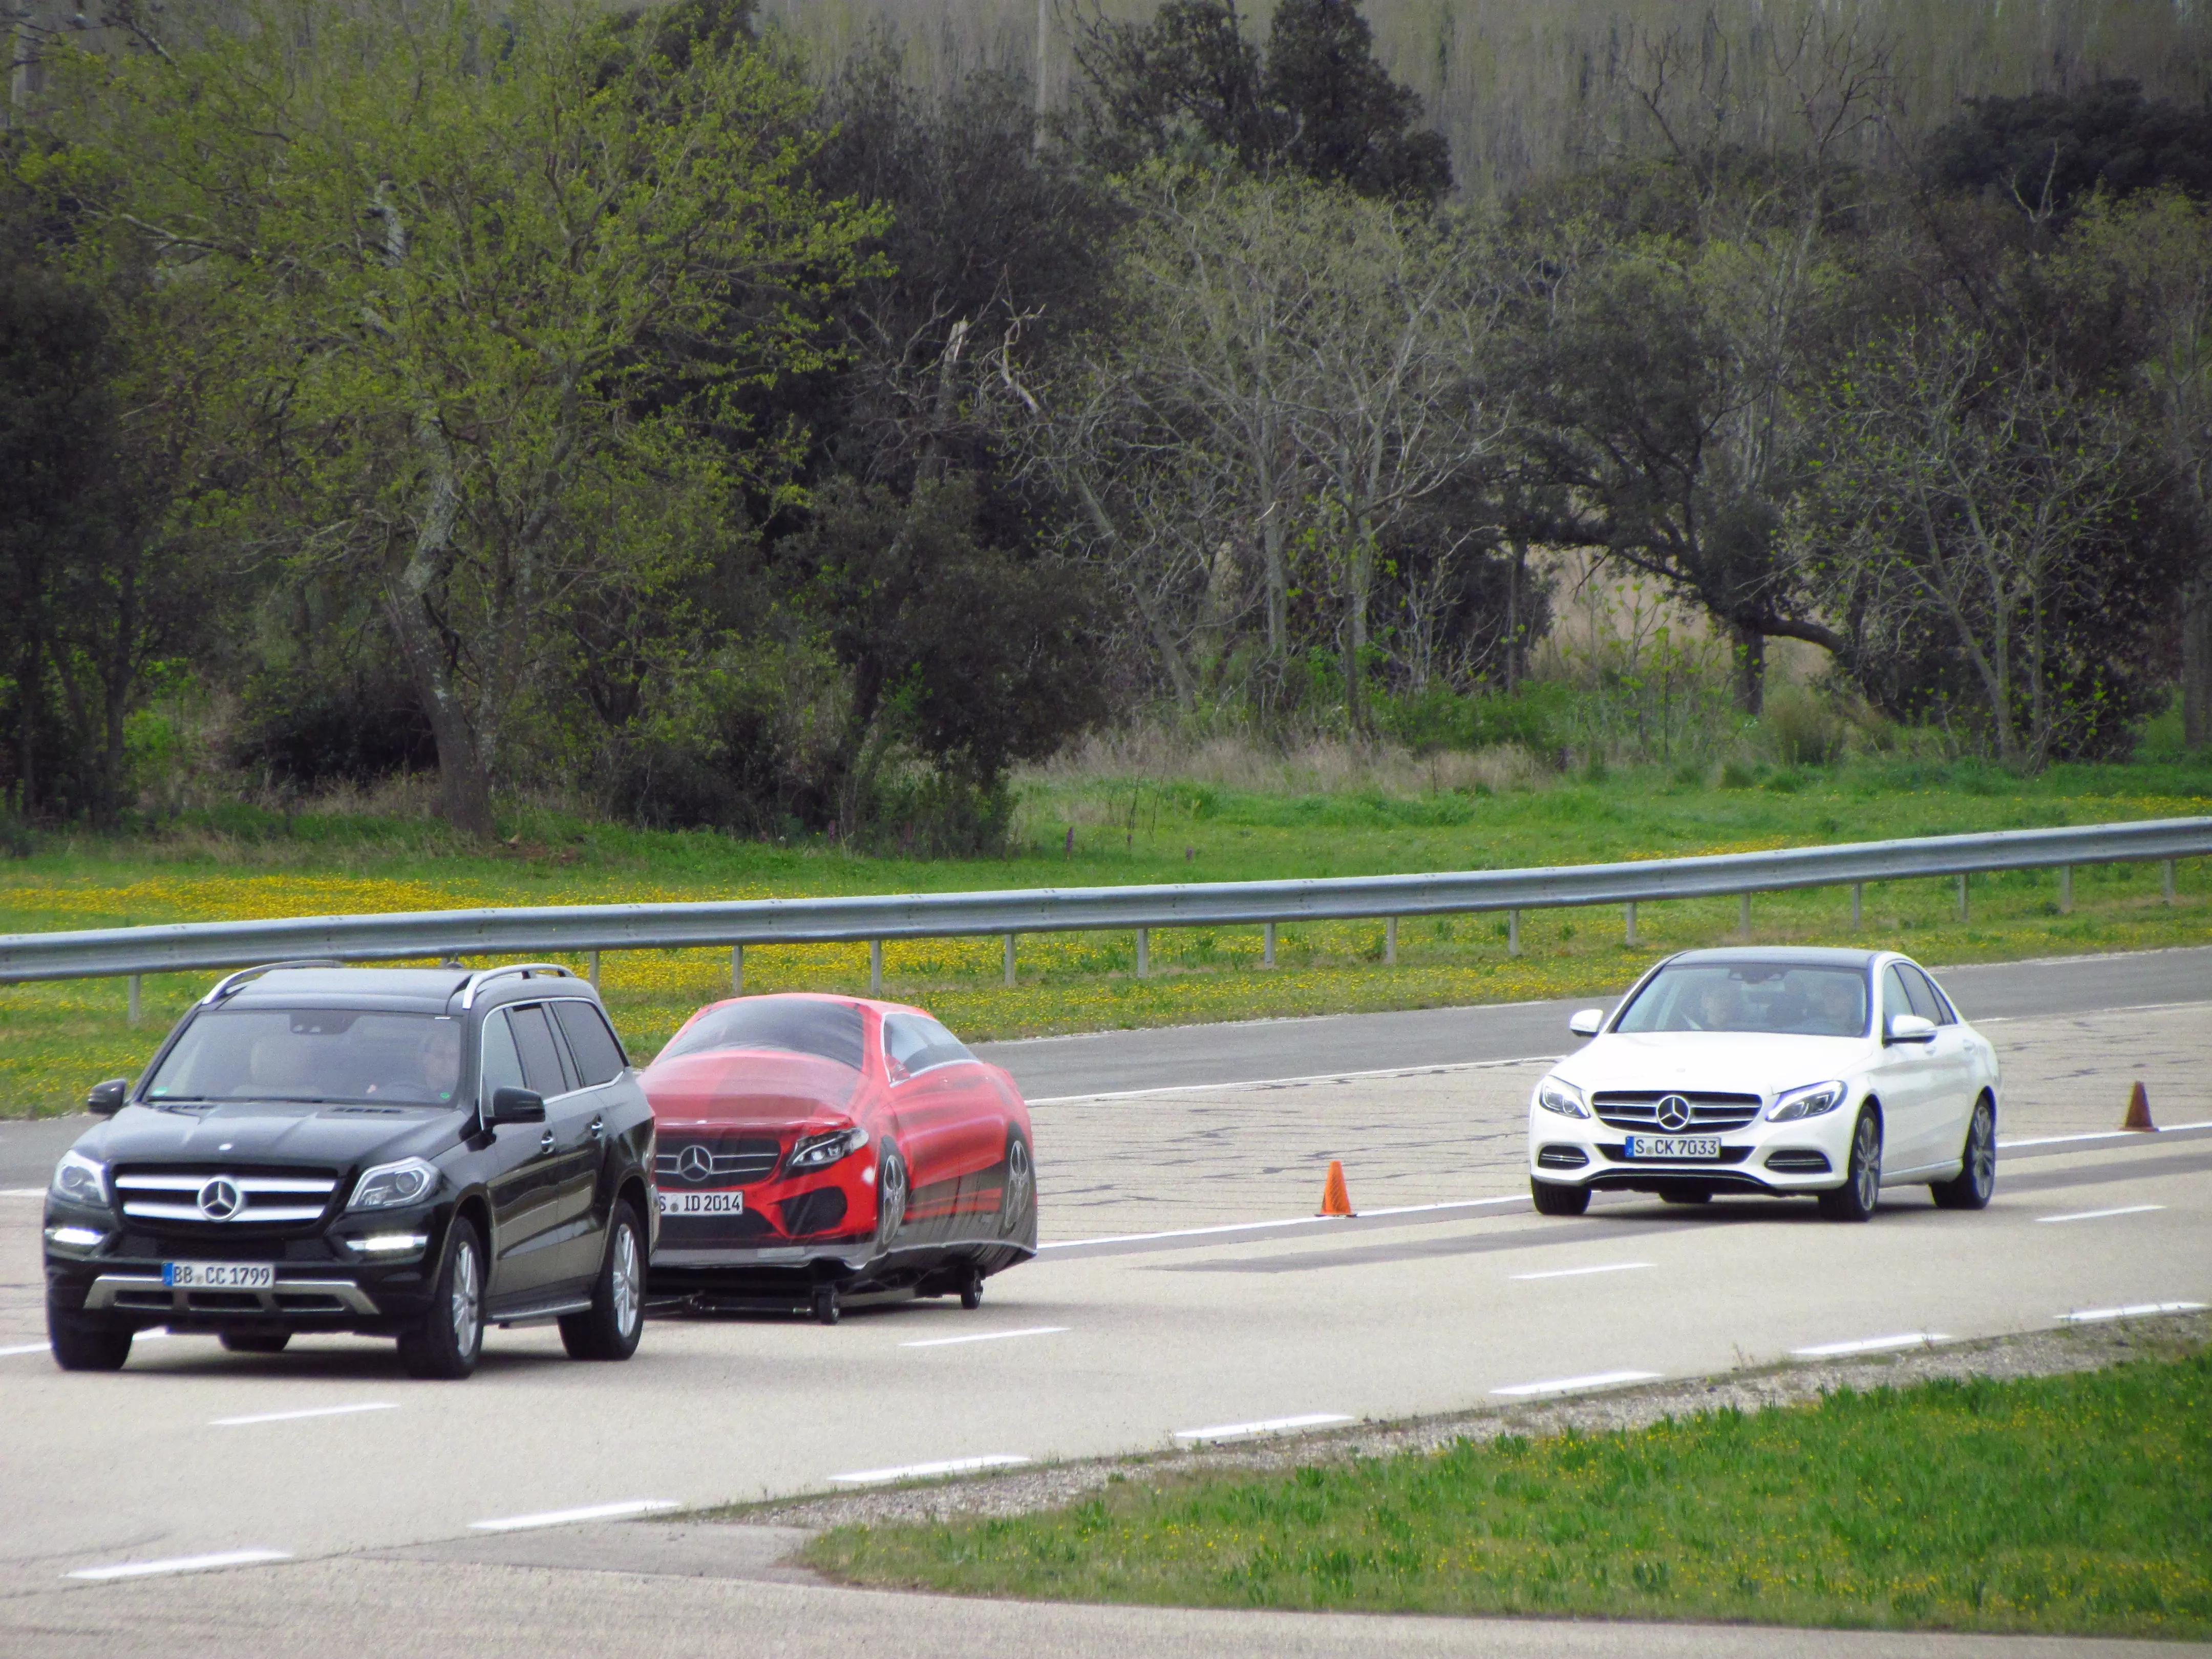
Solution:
(2035, 1353)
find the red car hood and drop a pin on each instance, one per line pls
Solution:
(749, 1088)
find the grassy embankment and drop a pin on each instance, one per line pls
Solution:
(56, 1038)
(2076, 1505)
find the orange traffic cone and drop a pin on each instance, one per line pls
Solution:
(1335, 1200)
(2139, 1111)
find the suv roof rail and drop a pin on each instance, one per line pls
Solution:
(232, 983)
(477, 980)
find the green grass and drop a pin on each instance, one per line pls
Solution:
(2075, 1505)
(56, 1039)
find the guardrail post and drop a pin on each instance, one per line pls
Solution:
(737, 970)
(2065, 890)
(595, 970)
(1390, 941)
(1512, 932)
(1144, 951)
(2167, 882)
(875, 967)
(1267, 947)
(134, 999)
(1962, 896)
(1010, 959)
(1630, 938)
(1743, 914)
(1858, 903)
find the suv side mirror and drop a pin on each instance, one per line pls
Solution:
(1910, 1028)
(1585, 1022)
(106, 1098)
(517, 1106)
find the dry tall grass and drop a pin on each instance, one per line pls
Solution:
(1312, 766)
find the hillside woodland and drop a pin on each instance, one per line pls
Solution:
(793, 431)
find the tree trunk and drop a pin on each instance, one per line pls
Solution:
(1514, 578)
(2197, 659)
(1355, 649)
(1750, 669)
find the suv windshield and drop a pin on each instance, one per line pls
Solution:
(1751, 996)
(340, 1054)
(831, 1030)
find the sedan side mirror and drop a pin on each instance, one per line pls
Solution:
(1910, 1028)
(517, 1106)
(1586, 1022)
(106, 1098)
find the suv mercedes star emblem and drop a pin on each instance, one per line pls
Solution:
(695, 1162)
(219, 1199)
(1673, 1112)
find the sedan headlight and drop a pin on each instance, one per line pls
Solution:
(81, 1180)
(1555, 1096)
(388, 1186)
(820, 1151)
(1808, 1101)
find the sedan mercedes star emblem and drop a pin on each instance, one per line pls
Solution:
(1673, 1112)
(695, 1162)
(219, 1199)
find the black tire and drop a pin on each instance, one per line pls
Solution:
(1976, 1180)
(254, 1341)
(1557, 1198)
(1687, 1195)
(446, 1342)
(971, 1290)
(1860, 1195)
(1018, 1195)
(78, 1346)
(893, 1186)
(827, 1307)
(609, 1327)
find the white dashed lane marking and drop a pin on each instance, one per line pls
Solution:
(569, 1517)
(182, 1563)
(1872, 1344)
(985, 1336)
(2098, 1215)
(924, 1471)
(1265, 1426)
(310, 1410)
(1577, 1273)
(2134, 1310)
(1576, 1384)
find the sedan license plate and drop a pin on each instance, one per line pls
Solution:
(219, 1275)
(702, 1203)
(1674, 1147)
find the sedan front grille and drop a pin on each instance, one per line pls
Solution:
(225, 1197)
(1710, 1114)
(716, 1161)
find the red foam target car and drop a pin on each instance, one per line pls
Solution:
(818, 1150)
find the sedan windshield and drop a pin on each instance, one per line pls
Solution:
(1751, 996)
(344, 1056)
(801, 1026)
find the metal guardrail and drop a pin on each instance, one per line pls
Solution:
(111, 953)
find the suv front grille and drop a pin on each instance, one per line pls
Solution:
(1710, 1113)
(716, 1161)
(225, 1197)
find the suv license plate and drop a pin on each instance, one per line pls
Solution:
(1674, 1147)
(219, 1275)
(702, 1203)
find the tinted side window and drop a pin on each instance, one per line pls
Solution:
(1925, 1002)
(1895, 999)
(541, 1055)
(919, 1043)
(502, 1062)
(1945, 1014)
(598, 1057)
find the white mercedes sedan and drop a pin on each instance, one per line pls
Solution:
(1829, 1073)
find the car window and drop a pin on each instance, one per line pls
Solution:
(799, 1025)
(541, 1054)
(1895, 999)
(599, 1057)
(917, 1043)
(1920, 988)
(503, 1061)
(1798, 1000)
(339, 1055)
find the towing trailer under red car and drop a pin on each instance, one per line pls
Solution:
(811, 1148)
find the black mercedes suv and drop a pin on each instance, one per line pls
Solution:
(399, 1152)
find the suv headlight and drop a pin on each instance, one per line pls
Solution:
(820, 1151)
(81, 1180)
(1554, 1095)
(1808, 1101)
(388, 1186)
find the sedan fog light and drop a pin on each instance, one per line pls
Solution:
(76, 1238)
(1808, 1101)
(388, 1243)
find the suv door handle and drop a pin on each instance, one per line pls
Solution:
(598, 1126)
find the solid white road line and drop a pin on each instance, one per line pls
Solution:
(2098, 1215)
(985, 1336)
(2145, 1136)
(22, 1192)
(2134, 1310)
(923, 1471)
(568, 1517)
(1873, 1344)
(181, 1564)
(1265, 1426)
(1313, 1077)
(1576, 1273)
(1288, 1221)
(27, 1347)
(1575, 1384)
(312, 1411)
